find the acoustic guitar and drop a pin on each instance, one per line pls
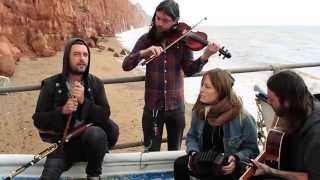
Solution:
(274, 151)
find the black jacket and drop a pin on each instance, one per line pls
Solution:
(54, 94)
(48, 115)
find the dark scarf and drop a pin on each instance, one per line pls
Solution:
(222, 112)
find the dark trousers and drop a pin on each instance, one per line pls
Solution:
(181, 171)
(175, 124)
(265, 177)
(90, 147)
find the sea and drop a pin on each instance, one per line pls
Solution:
(252, 46)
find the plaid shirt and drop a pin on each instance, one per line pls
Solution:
(165, 74)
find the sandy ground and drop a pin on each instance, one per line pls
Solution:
(17, 133)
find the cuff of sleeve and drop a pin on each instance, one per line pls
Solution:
(136, 55)
(237, 157)
(202, 61)
(192, 153)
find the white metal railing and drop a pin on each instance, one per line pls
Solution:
(142, 78)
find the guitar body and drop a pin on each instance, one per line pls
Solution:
(274, 152)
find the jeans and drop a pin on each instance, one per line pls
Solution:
(89, 147)
(175, 124)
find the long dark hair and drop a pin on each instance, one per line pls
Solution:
(223, 82)
(293, 95)
(169, 7)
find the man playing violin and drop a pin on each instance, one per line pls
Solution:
(298, 114)
(164, 89)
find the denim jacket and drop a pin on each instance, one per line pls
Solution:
(239, 136)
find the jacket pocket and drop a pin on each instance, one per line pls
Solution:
(233, 144)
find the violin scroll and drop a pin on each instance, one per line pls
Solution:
(199, 41)
(224, 52)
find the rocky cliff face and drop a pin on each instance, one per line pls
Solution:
(41, 27)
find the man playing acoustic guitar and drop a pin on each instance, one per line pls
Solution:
(298, 115)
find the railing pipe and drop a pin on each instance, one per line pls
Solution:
(142, 78)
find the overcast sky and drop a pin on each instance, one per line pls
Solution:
(244, 12)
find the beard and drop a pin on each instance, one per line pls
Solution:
(159, 34)
(281, 111)
(75, 71)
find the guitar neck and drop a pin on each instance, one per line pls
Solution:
(250, 171)
(272, 151)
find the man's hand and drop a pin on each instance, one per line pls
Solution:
(210, 50)
(193, 163)
(70, 106)
(262, 168)
(228, 169)
(78, 92)
(151, 51)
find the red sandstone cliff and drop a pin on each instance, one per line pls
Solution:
(41, 27)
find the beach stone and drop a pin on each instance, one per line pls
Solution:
(48, 53)
(7, 65)
(7, 48)
(116, 55)
(101, 47)
(103, 39)
(111, 49)
(125, 52)
(91, 43)
(40, 45)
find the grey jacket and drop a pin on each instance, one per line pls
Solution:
(305, 157)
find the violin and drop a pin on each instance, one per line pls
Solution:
(193, 40)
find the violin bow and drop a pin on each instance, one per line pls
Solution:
(146, 61)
